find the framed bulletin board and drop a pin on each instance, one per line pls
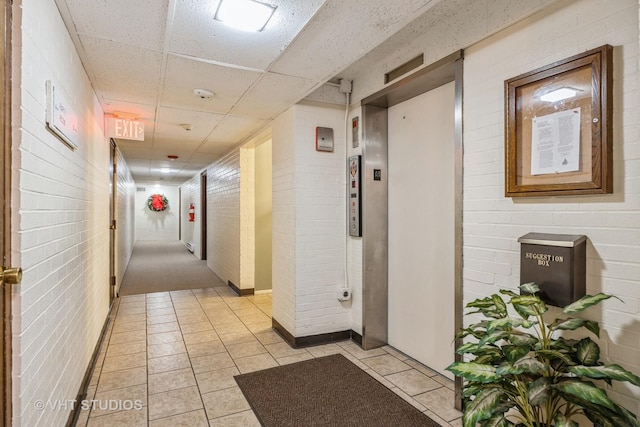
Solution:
(558, 128)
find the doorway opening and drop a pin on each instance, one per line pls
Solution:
(203, 215)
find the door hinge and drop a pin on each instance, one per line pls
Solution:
(113, 281)
(113, 225)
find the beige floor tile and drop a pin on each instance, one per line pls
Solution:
(269, 337)
(437, 419)
(168, 363)
(385, 364)
(245, 349)
(440, 401)
(237, 338)
(397, 354)
(189, 311)
(162, 327)
(128, 337)
(205, 348)
(126, 348)
(166, 349)
(171, 380)
(186, 303)
(108, 402)
(211, 362)
(413, 382)
(127, 361)
(122, 379)
(217, 380)
(283, 349)
(420, 367)
(324, 350)
(125, 418)
(166, 311)
(260, 327)
(456, 423)
(255, 363)
(444, 381)
(189, 419)
(174, 402)
(379, 378)
(245, 313)
(191, 328)
(164, 338)
(129, 326)
(358, 352)
(231, 328)
(224, 402)
(128, 318)
(192, 318)
(164, 318)
(293, 359)
(198, 337)
(241, 419)
(159, 304)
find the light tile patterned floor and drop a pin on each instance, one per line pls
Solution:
(169, 360)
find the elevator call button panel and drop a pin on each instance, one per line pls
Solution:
(354, 197)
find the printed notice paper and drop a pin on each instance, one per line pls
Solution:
(555, 143)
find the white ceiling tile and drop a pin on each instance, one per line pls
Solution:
(233, 129)
(273, 94)
(185, 75)
(197, 33)
(139, 23)
(170, 120)
(342, 32)
(141, 111)
(124, 73)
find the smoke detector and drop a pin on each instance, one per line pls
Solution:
(186, 126)
(203, 93)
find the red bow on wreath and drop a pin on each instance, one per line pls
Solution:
(157, 202)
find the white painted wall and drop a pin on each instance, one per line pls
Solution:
(60, 220)
(421, 227)
(247, 219)
(125, 221)
(151, 225)
(493, 223)
(263, 217)
(223, 217)
(309, 222)
(191, 231)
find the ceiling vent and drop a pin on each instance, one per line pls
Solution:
(404, 69)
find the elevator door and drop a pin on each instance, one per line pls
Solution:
(421, 227)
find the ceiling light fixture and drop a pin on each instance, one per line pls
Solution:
(246, 15)
(165, 170)
(559, 94)
(203, 93)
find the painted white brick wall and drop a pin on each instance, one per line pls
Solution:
(125, 208)
(311, 185)
(493, 223)
(223, 217)
(247, 219)
(191, 230)
(284, 220)
(151, 225)
(60, 220)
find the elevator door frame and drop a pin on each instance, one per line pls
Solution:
(375, 196)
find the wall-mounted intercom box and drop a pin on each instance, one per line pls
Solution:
(556, 263)
(354, 197)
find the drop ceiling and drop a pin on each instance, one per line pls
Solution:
(146, 57)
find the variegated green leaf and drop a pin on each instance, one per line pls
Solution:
(500, 305)
(572, 324)
(594, 327)
(468, 347)
(564, 344)
(561, 421)
(587, 391)
(531, 365)
(482, 407)
(539, 391)
(530, 305)
(523, 340)
(515, 352)
(585, 302)
(530, 288)
(556, 355)
(476, 372)
(588, 352)
(481, 303)
(498, 420)
(493, 337)
(508, 292)
(606, 418)
(612, 372)
(509, 369)
(508, 323)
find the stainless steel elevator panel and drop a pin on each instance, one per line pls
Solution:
(374, 226)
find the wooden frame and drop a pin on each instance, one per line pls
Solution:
(560, 147)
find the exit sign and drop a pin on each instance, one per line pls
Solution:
(125, 129)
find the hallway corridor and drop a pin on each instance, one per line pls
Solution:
(173, 355)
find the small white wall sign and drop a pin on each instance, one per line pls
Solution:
(61, 119)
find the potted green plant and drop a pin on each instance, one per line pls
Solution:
(524, 373)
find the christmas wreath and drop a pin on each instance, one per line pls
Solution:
(157, 202)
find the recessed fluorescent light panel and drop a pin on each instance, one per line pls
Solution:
(246, 15)
(559, 94)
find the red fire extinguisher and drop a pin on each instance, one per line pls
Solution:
(192, 213)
